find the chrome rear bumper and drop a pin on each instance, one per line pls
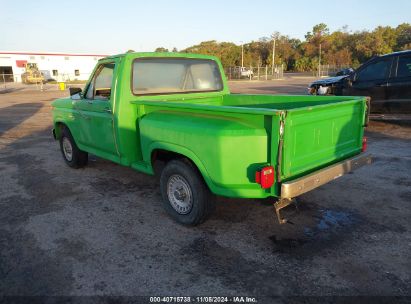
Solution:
(309, 182)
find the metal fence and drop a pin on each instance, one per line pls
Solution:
(327, 70)
(66, 77)
(255, 73)
(232, 73)
(13, 81)
(60, 77)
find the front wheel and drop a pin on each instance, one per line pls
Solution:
(186, 197)
(72, 155)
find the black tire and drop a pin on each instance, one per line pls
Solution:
(193, 193)
(77, 158)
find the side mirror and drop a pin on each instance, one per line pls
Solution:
(347, 81)
(353, 77)
(76, 96)
(74, 91)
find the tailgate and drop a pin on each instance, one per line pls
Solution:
(320, 135)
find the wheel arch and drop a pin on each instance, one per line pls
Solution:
(58, 129)
(161, 153)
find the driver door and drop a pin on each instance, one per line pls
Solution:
(95, 117)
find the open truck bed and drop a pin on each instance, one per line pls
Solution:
(309, 140)
(308, 132)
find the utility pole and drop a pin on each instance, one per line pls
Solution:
(319, 62)
(275, 36)
(272, 66)
(242, 54)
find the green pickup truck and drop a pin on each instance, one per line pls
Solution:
(172, 115)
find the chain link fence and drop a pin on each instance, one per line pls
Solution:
(48, 81)
(9, 82)
(328, 70)
(16, 81)
(255, 73)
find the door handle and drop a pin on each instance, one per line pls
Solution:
(107, 110)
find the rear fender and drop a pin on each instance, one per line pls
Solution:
(186, 153)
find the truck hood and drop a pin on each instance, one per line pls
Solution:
(328, 81)
(62, 103)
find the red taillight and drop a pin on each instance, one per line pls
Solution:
(265, 177)
(364, 144)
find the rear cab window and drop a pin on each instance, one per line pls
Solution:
(155, 76)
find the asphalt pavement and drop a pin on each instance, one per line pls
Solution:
(101, 230)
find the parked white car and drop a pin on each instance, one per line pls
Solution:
(244, 72)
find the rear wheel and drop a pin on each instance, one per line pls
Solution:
(72, 155)
(186, 197)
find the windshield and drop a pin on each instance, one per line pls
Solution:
(175, 75)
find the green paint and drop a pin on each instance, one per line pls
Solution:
(227, 136)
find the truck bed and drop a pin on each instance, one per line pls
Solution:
(279, 102)
(318, 130)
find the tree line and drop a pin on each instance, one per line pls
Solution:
(340, 48)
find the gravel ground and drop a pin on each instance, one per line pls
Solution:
(101, 230)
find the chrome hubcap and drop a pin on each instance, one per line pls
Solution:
(179, 194)
(67, 149)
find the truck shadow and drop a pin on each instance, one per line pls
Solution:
(399, 129)
(10, 90)
(14, 115)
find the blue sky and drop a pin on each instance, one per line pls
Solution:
(107, 27)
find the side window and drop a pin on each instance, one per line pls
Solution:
(404, 66)
(100, 86)
(374, 71)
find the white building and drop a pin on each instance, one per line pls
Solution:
(54, 66)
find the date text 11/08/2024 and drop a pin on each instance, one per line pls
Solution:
(238, 299)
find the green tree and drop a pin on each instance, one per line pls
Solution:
(319, 30)
(303, 64)
(340, 48)
(161, 50)
(403, 37)
(229, 53)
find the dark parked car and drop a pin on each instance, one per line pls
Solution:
(344, 72)
(386, 79)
